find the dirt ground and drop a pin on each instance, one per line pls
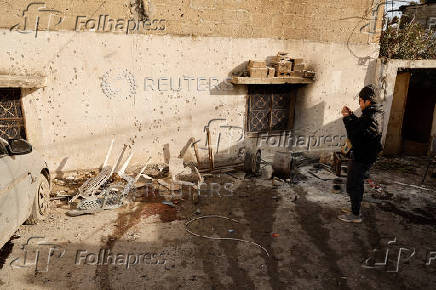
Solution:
(288, 235)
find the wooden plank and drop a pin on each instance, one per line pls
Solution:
(209, 146)
(394, 141)
(270, 81)
(197, 155)
(15, 81)
(292, 101)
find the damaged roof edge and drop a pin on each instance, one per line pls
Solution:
(20, 81)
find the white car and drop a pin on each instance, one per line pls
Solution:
(24, 186)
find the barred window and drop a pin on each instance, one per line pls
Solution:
(269, 108)
(11, 114)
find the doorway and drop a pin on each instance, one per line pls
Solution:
(411, 121)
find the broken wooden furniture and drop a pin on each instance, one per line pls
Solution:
(342, 156)
(338, 158)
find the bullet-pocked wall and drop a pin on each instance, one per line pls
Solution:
(153, 73)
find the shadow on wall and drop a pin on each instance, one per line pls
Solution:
(226, 87)
(314, 138)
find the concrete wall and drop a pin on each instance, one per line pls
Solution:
(327, 20)
(89, 98)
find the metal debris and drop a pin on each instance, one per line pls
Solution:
(90, 186)
(96, 194)
(110, 197)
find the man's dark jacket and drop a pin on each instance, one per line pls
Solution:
(363, 132)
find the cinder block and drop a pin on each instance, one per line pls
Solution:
(258, 72)
(299, 74)
(299, 67)
(309, 74)
(283, 67)
(298, 61)
(256, 64)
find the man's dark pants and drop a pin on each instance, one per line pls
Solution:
(356, 174)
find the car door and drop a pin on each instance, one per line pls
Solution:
(15, 192)
(8, 200)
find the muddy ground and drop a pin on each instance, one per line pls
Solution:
(289, 237)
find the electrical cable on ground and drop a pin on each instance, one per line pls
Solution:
(220, 238)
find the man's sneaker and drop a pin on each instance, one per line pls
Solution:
(350, 218)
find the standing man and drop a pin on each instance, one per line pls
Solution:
(365, 137)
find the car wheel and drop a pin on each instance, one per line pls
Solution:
(41, 202)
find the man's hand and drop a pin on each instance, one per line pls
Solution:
(346, 111)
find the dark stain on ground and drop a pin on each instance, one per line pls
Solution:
(415, 216)
(126, 219)
(129, 217)
(309, 215)
(5, 252)
(153, 199)
(166, 213)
